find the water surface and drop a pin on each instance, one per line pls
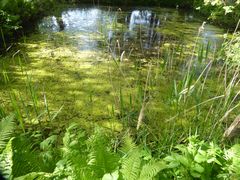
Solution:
(98, 62)
(142, 30)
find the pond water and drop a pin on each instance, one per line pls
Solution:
(142, 30)
(100, 65)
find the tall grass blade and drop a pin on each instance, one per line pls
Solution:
(3, 38)
(17, 110)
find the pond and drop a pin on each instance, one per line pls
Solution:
(118, 68)
(142, 30)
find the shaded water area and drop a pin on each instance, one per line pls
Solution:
(102, 65)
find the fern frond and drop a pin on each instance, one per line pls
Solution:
(128, 144)
(74, 137)
(232, 156)
(25, 158)
(74, 164)
(101, 159)
(49, 153)
(2, 112)
(131, 165)
(6, 160)
(7, 126)
(151, 169)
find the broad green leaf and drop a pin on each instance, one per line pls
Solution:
(199, 158)
(111, 176)
(228, 9)
(198, 168)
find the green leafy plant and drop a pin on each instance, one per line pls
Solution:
(231, 50)
(19, 158)
(92, 157)
(7, 126)
(196, 160)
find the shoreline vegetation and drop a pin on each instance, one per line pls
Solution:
(122, 97)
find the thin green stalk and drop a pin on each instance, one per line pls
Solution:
(145, 100)
(25, 107)
(5, 76)
(200, 104)
(17, 109)
(3, 38)
(56, 113)
(46, 105)
(121, 102)
(33, 95)
(2, 112)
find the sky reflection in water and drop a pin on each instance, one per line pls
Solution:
(85, 24)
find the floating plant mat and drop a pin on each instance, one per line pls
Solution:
(143, 31)
(99, 65)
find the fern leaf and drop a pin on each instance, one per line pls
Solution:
(128, 144)
(7, 126)
(102, 160)
(18, 158)
(74, 164)
(131, 165)
(151, 169)
(6, 160)
(25, 158)
(232, 155)
(49, 153)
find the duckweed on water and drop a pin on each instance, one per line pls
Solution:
(119, 93)
(75, 75)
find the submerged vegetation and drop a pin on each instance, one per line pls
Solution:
(112, 93)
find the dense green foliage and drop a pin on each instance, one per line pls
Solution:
(97, 157)
(224, 13)
(15, 14)
(231, 50)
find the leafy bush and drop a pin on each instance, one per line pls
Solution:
(225, 13)
(15, 14)
(231, 49)
(8, 22)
